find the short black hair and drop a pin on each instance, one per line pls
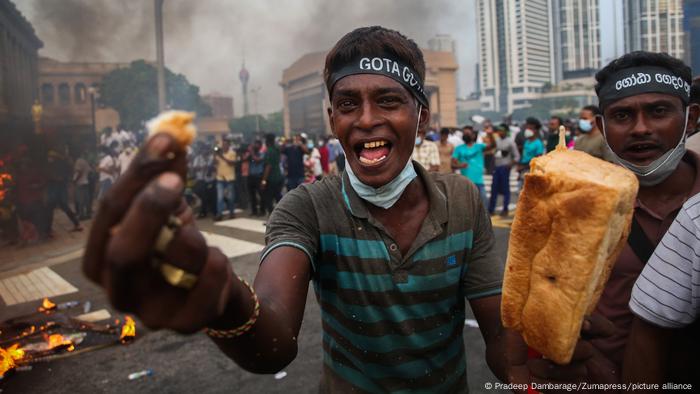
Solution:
(374, 41)
(695, 91)
(468, 126)
(593, 108)
(561, 121)
(444, 130)
(269, 139)
(534, 121)
(643, 58)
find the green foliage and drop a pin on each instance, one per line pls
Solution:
(133, 92)
(251, 126)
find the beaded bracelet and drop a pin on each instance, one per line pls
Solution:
(238, 331)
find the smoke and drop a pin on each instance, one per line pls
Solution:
(207, 40)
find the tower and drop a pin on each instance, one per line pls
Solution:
(244, 76)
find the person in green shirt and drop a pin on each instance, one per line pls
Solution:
(272, 180)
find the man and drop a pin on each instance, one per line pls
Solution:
(532, 147)
(534, 125)
(108, 168)
(225, 177)
(204, 170)
(59, 171)
(426, 153)
(81, 173)
(446, 150)
(294, 153)
(323, 151)
(644, 98)
(553, 136)
(507, 156)
(272, 179)
(387, 246)
(126, 156)
(255, 173)
(590, 140)
(469, 159)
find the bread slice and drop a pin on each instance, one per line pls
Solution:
(176, 123)
(572, 220)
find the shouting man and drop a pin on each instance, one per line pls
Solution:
(393, 251)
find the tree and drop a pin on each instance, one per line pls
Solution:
(250, 125)
(133, 92)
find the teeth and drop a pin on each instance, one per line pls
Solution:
(373, 161)
(374, 144)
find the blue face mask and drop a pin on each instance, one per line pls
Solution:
(384, 196)
(418, 141)
(585, 125)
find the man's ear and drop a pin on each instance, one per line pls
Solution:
(599, 122)
(424, 121)
(331, 121)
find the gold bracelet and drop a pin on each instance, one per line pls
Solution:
(238, 331)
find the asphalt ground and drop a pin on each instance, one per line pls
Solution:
(187, 364)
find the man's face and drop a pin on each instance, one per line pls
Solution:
(226, 145)
(443, 137)
(641, 128)
(588, 115)
(375, 119)
(554, 125)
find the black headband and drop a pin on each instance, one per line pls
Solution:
(640, 80)
(386, 66)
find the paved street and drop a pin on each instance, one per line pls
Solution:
(179, 363)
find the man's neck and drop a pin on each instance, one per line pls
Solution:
(668, 195)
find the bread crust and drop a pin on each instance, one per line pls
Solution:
(572, 220)
(178, 124)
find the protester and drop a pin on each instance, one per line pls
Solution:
(225, 158)
(532, 124)
(590, 140)
(553, 133)
(426, 153)
(312, 162)
(469, 159)
(323, 151)
(445, 149)
(126, 156)
(242, 171)
(387, 246)
(204, 169)
(489, 140)
(506, 157)
(30, 183)
(81, 174)
(333, 151)
(272, 179)
(108, 168)
(645, 127)
(532, 147)
(255, 173)
(294, 153)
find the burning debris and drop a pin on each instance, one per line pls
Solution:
(51, 333)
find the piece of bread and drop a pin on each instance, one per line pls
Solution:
(571, 222)
(179, 124)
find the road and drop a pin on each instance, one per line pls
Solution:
(186, 364)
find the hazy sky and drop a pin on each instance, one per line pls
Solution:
(207, 39)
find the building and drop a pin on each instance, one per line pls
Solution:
(442, 43)
(576, 38)
(67, 92)
(655, 26)
(306, 99)
(221, 105)
(515, 52)
(691, 26)
(19, 46)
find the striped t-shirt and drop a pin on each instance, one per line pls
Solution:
(391, 322)
(667, 293)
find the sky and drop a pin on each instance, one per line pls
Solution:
(208, 40)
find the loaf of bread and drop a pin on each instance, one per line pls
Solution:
(179, 124)
(571, 222)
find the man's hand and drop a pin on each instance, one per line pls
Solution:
(587, 364)
(120, 251)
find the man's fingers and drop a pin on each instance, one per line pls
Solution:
(130, 249)
(159, 155)
(597, 326)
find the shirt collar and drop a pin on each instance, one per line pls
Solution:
(438, 201)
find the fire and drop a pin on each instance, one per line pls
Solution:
(5, 180)
(47, 305)
(57, 340)
(128, 329)
(8, 357)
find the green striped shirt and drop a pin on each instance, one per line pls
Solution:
(391, 322)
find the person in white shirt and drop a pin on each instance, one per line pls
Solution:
(108, 169)
(126, 156)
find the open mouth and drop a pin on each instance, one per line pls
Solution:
(643, 147)
(373, 153)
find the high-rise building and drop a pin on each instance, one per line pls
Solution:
(691, 25)
(655, 26)
(515, 52)
(442, 43)
(576, 38)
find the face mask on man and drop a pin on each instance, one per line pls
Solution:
(529, 133)
(661, 168)
(387, 195)
(585, 125)
(419, 140)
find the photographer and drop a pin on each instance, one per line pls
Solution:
(225, 178)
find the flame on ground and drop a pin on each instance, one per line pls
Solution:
(128, 329)
(8, 357)
(56, 340)
(47, 305)
(4, 178)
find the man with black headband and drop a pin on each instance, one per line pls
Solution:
(392, 250)
(644, 98)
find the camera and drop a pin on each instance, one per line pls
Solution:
(217, 149)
